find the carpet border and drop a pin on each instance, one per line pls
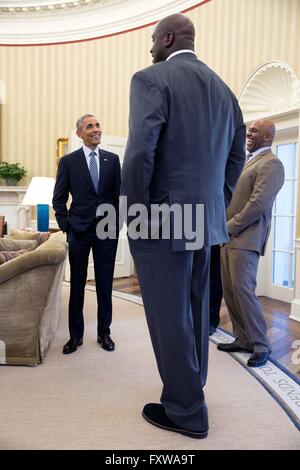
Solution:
(266, 386)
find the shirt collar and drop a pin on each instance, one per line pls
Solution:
(182, 51)
(87, 151)
(259, 151)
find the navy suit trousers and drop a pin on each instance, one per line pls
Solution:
(175, 291)
(104, 254)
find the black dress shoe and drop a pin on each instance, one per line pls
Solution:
(258, 359)
(71, 345)
(232, 347)
(155, 414)
(212, 330)
(106, 343)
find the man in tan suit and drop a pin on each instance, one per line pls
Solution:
(249, 218)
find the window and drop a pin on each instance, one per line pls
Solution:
(284, 219)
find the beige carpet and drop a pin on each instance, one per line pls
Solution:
(93, 399)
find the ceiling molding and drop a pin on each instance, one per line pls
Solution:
(31, 10)
(23, 5)
(58, 21)
(272, 89)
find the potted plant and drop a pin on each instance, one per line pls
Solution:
(12, 172)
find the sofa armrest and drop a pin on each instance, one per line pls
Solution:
(53, 254)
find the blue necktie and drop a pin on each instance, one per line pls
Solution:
(94, 170)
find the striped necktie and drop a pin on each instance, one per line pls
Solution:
(94, 170)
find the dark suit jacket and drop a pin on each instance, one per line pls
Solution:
(186, 141)
(250, 211)
(74, 177)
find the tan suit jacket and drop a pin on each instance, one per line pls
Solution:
(249, 214)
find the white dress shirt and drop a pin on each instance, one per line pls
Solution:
(258, 152)
(182, 51)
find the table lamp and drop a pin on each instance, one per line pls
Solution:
(40, 193)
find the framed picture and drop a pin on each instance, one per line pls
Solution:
(61, 148)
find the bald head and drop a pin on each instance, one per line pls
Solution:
(171, 34)
(260, 134)
(180, 25)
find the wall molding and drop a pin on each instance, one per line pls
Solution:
(272, 89)
(83, 21)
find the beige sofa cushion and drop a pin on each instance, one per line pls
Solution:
(7, 244)
(40, 237)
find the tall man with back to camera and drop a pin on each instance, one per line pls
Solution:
(249, 222)
(186, 142)
(92, 177)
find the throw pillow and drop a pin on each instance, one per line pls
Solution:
(44, 237)
(9, 255)
(24, 235)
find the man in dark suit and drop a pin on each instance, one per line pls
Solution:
(92, 177)
(249, 221)
(186, 142)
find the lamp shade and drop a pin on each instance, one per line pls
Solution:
(40, 191)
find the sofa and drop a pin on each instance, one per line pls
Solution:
(30, 288)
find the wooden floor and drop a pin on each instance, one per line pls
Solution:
(282, 331)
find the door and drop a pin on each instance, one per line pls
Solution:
(124, 266)
(277, 268)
